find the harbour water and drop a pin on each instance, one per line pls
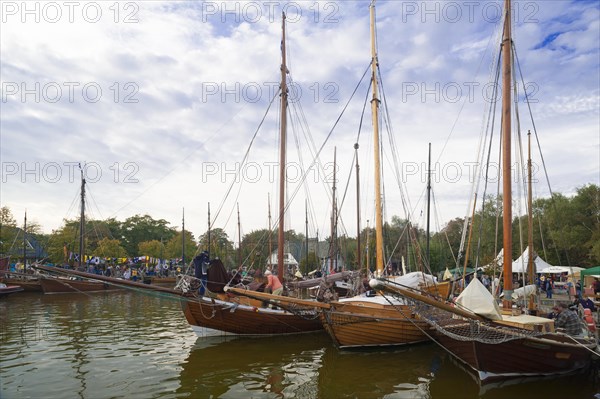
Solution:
(128, 344)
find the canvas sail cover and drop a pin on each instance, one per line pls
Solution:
(478, 300)
(523, 292)
(414, 279)
(447, 274)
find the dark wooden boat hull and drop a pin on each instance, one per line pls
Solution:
(64, 286)
(551, 354)
(209, 317)
(167, 281)
(9, 289)
(352, 326)
(29, 285)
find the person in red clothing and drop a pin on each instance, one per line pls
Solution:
(273, 283)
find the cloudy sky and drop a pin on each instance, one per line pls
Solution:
(161, 100)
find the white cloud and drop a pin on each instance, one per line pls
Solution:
(193, 77)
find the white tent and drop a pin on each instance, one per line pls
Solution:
(520, 265)
(288, 260)
(497, 262)
(562, 269)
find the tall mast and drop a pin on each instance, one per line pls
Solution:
(208, 232)
(183, 236)
(82, 221)
(270, 229)
(530, 267)
(506, 153)
(358, 259)
(306, 230)
(333, 244)
(284, 97)
(25, 241)
(427, 253)
(317, 252)
(161, 252)
(530, 212)
(367, 248)
(239, 237)
(376, 149)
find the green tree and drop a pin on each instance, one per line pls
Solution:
(173, 248)
(153, 248)
(569, 228)
(110, 248)
(309, 263)
(255, 247)
(220, 246)
(8, 229)
(64, 239)
(136, 229)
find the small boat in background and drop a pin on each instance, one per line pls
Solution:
(60, 285)
(29, 283)
(9, 289)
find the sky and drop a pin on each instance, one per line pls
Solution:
(160, 101)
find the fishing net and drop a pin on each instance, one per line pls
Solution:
(463, 329)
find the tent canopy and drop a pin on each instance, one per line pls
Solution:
(459, 271)
(590, 272)
(562, 269)
(520, 265)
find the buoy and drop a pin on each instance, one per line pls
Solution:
(589, 319)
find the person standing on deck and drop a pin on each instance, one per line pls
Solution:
(549, 288)
(596, 286)
(567, 319)
(578, 289)
(273, 283)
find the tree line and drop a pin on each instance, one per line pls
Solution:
(566, 232)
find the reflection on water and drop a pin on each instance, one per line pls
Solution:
(98, 345)
(257, 367)
(128, 344)
(400, 373)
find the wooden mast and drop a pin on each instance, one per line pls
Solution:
(208, 232)
(427, 253)
(270, 229)
(506, 155)
(358, 259)
(282, 149)
(306, 232)
(25, 243)
(82, 221)
(367, 252)
(530, 266)
(333, 243)
(376, 149)
(183, 237)
(239, 237)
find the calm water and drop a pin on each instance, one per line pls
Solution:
(133, 345)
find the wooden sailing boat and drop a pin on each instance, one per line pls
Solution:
(373, 321)
(213, 316)
(498, 346)
(62, 285)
